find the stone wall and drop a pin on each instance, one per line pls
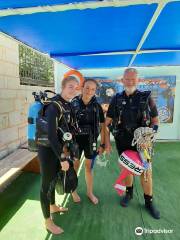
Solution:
(14, 98)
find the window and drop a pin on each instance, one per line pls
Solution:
(34, 68)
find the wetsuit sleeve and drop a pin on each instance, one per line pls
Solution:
(101, 114)
(111, 109)
(73, 114)
(52, 114)
(153, 108)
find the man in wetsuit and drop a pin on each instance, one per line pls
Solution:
(128, 111)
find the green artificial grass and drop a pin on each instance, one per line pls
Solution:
(21, 217)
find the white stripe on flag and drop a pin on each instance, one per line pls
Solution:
(120, 187)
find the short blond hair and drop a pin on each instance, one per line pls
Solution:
(68, 79)
(127, 70)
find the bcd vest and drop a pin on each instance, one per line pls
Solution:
(131, 112)
(64, 122)
(87, 117)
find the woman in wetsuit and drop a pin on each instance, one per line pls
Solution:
(51, 157)
(90, 118)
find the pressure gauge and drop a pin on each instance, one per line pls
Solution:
(67, 136)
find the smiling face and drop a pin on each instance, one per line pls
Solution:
(69, 90)
(130, 81)
(89, 90)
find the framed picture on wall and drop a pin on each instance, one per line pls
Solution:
(162, 89)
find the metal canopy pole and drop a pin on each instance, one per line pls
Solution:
(77, 6)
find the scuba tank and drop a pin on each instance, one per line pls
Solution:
(33, 114)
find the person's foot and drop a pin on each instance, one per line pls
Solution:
(53, 228)
(76, 197)
(153, 211)
(150, 207)
(93, 198)
(54, 209)
(127, 198)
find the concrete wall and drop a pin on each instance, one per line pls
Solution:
(60, 70)
(14, 98)
(167, 130)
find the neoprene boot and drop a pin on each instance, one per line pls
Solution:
(149, 205)
(127, 198)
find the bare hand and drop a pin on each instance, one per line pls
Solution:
(100, 150)
(65, 165)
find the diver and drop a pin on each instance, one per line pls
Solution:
(51, 157)
(90, 120)
(128, 111)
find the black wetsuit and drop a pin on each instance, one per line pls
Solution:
(131, 118)
(88, 117)
(50, 157)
